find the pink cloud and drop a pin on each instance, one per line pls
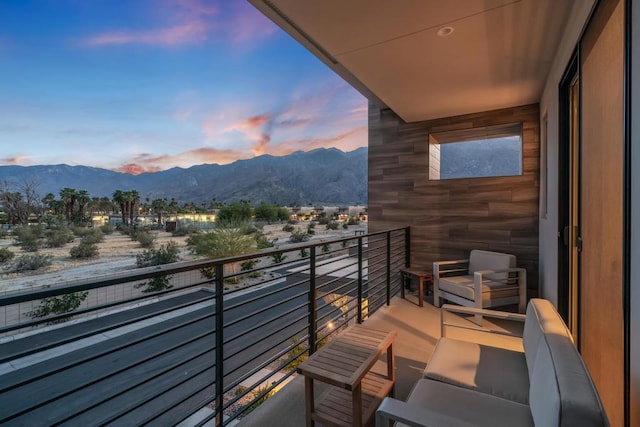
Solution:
(187, 33)
(144, 162)
(15, 160)
(247, 26)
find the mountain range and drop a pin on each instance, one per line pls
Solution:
(322, 176)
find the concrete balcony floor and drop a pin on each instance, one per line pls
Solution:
(418, 330)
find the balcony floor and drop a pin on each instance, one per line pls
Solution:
(418, 330)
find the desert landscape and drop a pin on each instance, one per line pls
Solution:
(118, 252)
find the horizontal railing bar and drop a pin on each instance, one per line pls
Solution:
(74, 313)
(264, 309)
(260, 325)
(273, 358)
(112, 326)
(333, 291)
(262, 296)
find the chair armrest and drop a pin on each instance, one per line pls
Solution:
(504, 315)
(457, 261)
(413, 415)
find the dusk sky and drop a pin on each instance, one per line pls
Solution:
(146, 85)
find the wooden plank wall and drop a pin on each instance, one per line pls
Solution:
(450, 217)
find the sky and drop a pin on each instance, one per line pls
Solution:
(146, 85)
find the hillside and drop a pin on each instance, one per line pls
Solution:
(322, 176)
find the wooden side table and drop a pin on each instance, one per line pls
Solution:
(345, 363)
(422, 275)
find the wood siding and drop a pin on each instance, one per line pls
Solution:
(448, 218)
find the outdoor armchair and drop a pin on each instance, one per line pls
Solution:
(486, 279)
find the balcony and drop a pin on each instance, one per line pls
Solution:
(127, 356)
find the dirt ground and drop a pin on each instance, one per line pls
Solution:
(118, 253)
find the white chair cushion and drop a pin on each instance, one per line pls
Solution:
(479, 409)
(562, 393)
(487, 260)
(463, 287)
(542, 318)
(491, 370)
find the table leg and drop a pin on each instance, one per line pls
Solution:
(308, 399)
(421, 291)
(356, 402)
(391, 369)
(403, 278)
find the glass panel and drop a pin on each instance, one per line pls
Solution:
(487, 154)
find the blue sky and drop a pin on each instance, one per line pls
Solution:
(146, 85)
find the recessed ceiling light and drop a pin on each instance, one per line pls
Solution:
(444, 31)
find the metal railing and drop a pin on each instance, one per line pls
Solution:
(263, 320)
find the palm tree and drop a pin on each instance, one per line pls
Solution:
(68, 196)
(82, 198)
(119, 199)
(159, 206)
(133, 199)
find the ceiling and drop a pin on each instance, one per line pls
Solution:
(498, 55)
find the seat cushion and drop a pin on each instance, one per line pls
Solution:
(476, 408)
(487, 260)
(491, 370)
(463, 287)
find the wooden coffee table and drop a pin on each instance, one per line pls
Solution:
(345, 363)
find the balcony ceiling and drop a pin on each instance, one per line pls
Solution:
(498, 55)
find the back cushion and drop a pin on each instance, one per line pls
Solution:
(544, 395)
(486, 260)
(542, 318)
(561, 392)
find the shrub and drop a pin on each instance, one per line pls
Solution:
(85, 249)
(292, 221)
(28, 237)
(165, 254)
(59, 237)
(58, 305)
(156, 284)
(249, 264)
(353, 220)
(3, 233)
(145, 238)
(326, 248)
(345, 226)
(124, 229)
(299, 236)
(323, 220)
(107, 229)
(93, 236)
(31, 262)
(278, 257)
(311, 225)
(80, 231)
(262, 242)
(256, 393)
(5, 255)
(332, 225)
(288, 228)
(304, 253)
(185, 231)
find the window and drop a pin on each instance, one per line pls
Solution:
(476, 153)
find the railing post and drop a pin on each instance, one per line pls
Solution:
(219, 284)
(359, 279)
(388, 267)
(313, 306)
